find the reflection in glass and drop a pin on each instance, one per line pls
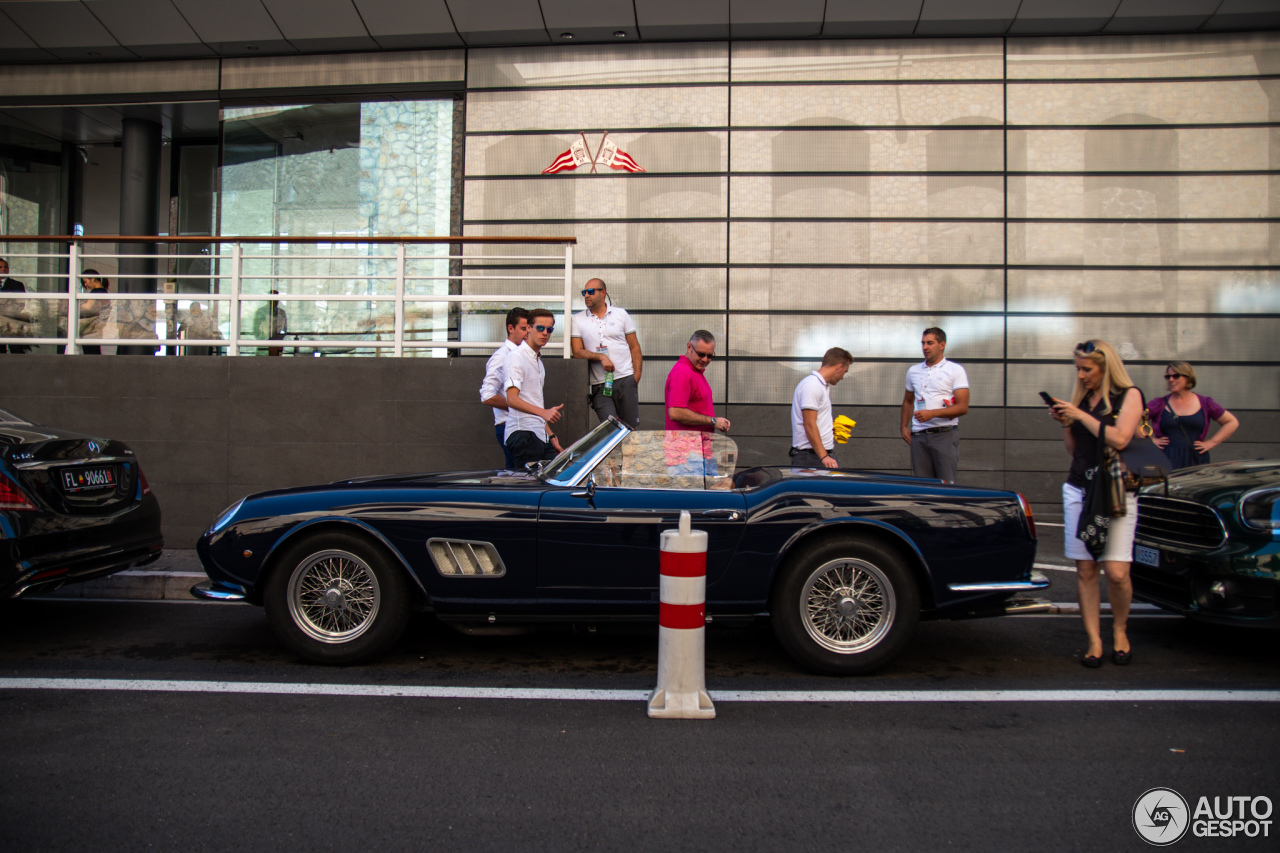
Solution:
(345, 171)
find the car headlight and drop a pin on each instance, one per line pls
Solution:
(224, 518)
(1261, 510)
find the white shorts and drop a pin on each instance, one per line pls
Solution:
(1119, 532)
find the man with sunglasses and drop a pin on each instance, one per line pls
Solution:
(687, 394)
(606, 335)
(937, 396)
(527, 435)
(493, 389)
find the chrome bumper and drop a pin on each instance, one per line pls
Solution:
(1038, 581)
(217, 591)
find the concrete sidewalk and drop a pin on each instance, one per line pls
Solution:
(170, 577)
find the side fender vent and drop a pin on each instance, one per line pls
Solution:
(455, 558)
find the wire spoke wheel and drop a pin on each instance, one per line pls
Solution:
(847, 605)
(333, 596)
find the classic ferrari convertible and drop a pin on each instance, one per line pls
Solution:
(843, 562)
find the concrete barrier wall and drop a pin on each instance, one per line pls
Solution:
(210, 430)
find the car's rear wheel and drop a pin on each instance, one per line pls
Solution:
(335, 598)
(844, 606)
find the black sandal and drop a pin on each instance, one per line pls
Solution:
(1092, 661)
(1120, 658)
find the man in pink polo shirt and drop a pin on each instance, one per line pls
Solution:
(688, 394)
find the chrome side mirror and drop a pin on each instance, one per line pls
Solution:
(589, 492)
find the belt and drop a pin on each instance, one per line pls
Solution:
(796, 450)
(938, 429)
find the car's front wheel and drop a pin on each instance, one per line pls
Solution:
(844, 606)
(336, 599)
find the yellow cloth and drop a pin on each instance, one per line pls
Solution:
(842, 426)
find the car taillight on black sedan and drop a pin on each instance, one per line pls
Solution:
(12, 497)
(1026, 511)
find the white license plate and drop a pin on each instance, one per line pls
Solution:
(88, 479)
(1146, 556)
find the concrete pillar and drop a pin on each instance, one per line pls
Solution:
(139, 210)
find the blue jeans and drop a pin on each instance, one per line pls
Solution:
(508, 461)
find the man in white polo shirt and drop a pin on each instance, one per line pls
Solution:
(605, 334)
(937, 396)
(812, 431)
(493, 388)
(528, 438)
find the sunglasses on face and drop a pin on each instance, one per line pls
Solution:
(591, 291)
(706, 355)
(547, 329)
(1172, 376)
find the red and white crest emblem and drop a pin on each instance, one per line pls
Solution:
(580, 154)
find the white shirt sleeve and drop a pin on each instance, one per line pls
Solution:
(811, 396)
(515, 372)
(628, 325)
(491, 386)
(959, 379)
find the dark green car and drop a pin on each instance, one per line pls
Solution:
(1209, 546)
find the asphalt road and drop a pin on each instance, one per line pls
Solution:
(128, 769)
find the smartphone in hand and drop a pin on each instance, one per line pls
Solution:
(1048, 401)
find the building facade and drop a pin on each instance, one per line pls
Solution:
(789, 195)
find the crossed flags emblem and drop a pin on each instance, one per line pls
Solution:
(580, 154)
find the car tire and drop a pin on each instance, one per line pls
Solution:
(335, 598)
(843, 606)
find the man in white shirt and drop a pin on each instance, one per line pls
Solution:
(606, 335)
(528, 438)
(812, 431)
(937, 396)
(493, 389)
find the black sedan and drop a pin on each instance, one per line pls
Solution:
(844, 562)
(1209, 545)
(72, 507)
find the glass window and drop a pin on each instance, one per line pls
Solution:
(880, 59)
(653, 151)
(1219, 149)
(345, 171)
(915, 104)
(597, 65)
(1138, 197)
(1159, 102)
(1143, 56)
(1184, 291)
(862, 289)
(596, 197)
(610, 109)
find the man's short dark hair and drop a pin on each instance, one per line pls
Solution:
(702, 335)
(937, 333)
(515, 315)
(836, 355)
(535, 313)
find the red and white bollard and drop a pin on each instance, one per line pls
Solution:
(681, 693)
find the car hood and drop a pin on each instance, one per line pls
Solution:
(1220, 483)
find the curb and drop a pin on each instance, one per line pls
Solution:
(135, 584)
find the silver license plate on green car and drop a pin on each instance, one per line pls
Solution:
(1146, 556)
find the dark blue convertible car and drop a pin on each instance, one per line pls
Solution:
(843, 562)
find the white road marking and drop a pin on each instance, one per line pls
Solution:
(1048, 524)
(573, 694)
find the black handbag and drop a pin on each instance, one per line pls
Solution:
(1144, 462)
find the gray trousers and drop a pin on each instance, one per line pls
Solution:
(807, 458)
(625, 402)
(936, 454)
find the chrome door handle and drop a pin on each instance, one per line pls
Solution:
(731, 514)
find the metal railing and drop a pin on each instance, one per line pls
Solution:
(227, 278)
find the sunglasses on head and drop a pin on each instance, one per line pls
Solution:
(547, 329)
(591, 291)
(1086, 347)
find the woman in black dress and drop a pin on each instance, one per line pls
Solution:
(1181, 418)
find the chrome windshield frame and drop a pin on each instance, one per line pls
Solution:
(592, 459)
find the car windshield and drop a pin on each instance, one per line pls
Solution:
(566, 467)
(670, 459)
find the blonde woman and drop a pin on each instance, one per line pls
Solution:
(1104, 395)
(1181, 418)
